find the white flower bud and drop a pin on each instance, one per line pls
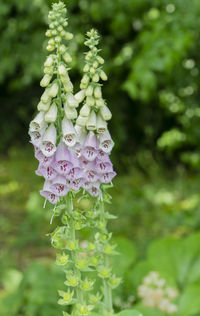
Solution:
(45, 80)
(79, 96)
(101, 124)
(70, 112)
(53, 90)
(100, 102)
(51, 115)
(90, 101)
(49, 61)
(86, 68)
(48, 145)
(45, 98)
(100, 60)
(69, 133)
(48, 70)
(103, 75)
(71, 100)
(85, 79)
(85, 110)
(81, 120)
(68, 36)
(89, 91)
(62, 49)
(105, 112)
(67, 57)
(91, 122)
(62, 70)
(38, 122)
(43, 106)
(97, 93)
(95, 78)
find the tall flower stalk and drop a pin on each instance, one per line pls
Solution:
(73, 153)
(97, 166)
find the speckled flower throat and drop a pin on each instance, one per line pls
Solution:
(72, 144)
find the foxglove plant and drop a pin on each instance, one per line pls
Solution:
(73, 153)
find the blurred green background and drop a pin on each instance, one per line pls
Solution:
(151, 48)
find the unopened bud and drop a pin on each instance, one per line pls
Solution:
(91, 122)
(95, 78)
(100, 60)
(45, 80)
(68, 36)
(70, 113)
(86, 68)
(89, 91)
(51, 115)
(48, 61)
(85, 110)
(103, 75)
(105, 112)
(79, 96)
(81, 120)
(67, 57)
(97, 92)
(43, 106)
(53, 90)
(90, 101)
(62, 70)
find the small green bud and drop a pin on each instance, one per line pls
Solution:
(45, 80)
(87, 285)
(90, 101)
(86, 68)
(84, 310)
(54, 32)
(95, 64)
(104, 272)
(93, 261)
(67, 57)
(92, 71)
(48, 33)
(62, 259)
(103, 75)
(72, 280)
(50, 48)
(49, 61)
(95, 78)
(85, 79)
(58, 39)
(62, 48)
(113, 282)
(100, 60)
(99, 103)
(95, 299)
(68, 36)
(89, 91)
(97, 92)
(81, 264)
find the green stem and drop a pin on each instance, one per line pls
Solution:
(107, 288)
(69, 203)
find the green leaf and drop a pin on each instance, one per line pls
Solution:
(127, 255)
(190, 302)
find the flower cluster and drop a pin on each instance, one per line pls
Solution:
(156, 294)
(73, 151)
(71, 156)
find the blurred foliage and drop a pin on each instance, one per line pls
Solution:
(152, 58)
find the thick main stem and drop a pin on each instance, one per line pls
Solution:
(69, 203)
(107, 288)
